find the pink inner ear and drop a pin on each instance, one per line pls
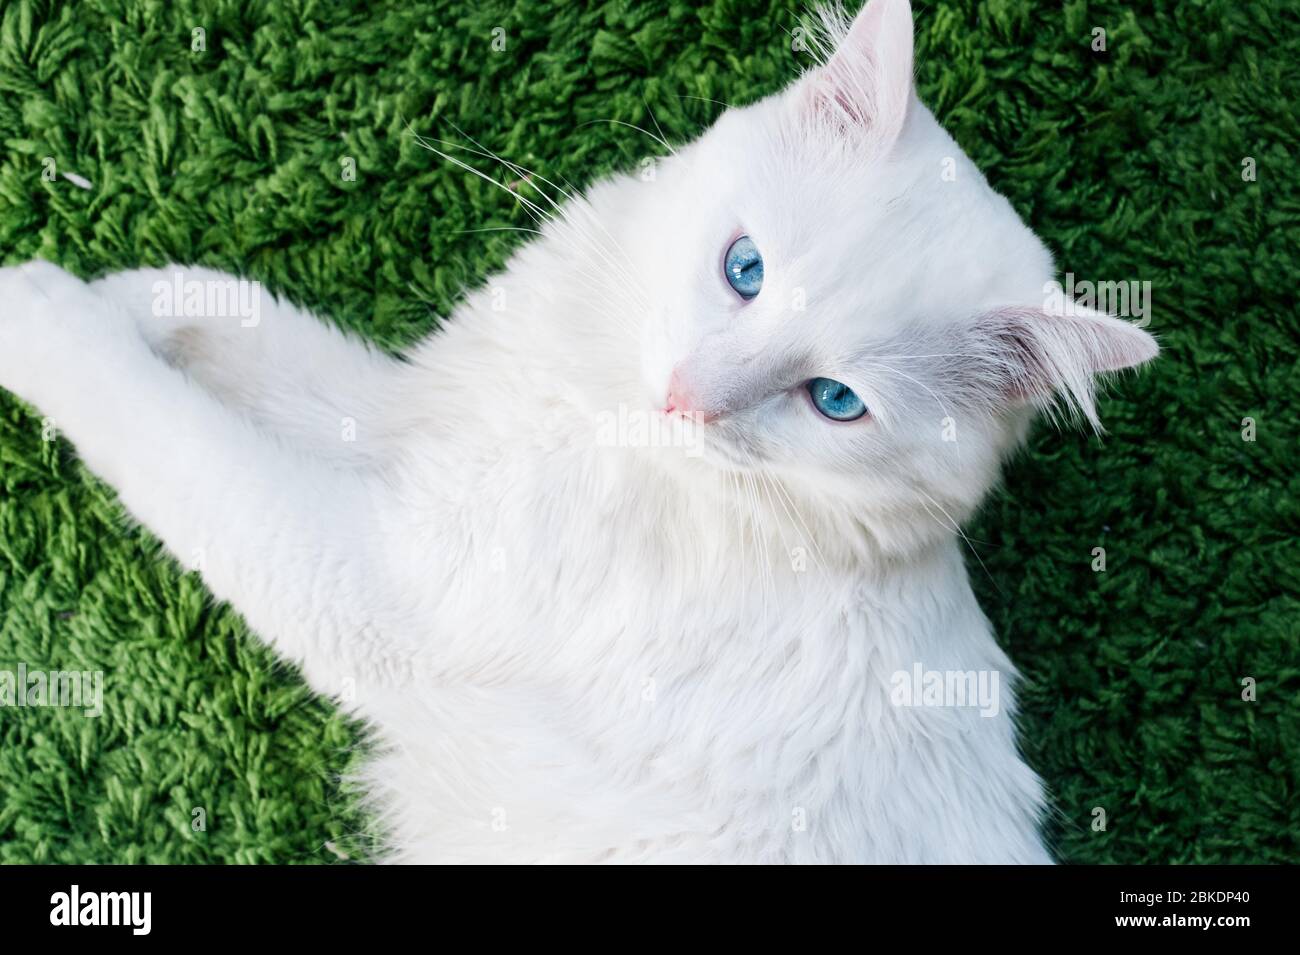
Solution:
(867, 82)
(849, 108)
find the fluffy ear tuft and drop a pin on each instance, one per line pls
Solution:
(1037, 355)
(864, 82)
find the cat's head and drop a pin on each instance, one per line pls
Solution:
(851, 307)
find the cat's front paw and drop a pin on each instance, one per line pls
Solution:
(46, 314)
(34, 284)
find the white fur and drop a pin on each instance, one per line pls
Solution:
(576, 652)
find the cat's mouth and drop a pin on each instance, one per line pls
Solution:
(716, 442)
(725, 457)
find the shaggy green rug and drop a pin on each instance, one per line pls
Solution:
(1168, 157)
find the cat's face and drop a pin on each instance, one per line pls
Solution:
(852, 307)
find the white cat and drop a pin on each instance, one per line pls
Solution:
(647, 553)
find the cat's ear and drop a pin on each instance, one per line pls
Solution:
(864, 83)
(1033, 354)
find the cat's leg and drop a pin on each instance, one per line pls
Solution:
(296, 545)
(294, 375)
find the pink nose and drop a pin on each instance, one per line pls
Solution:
(683, 402)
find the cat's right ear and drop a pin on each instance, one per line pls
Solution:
(864, 83)
(1031, 354)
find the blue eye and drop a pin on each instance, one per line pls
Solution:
(743, 267)
(836, 400)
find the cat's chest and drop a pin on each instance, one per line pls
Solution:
(649, 629)
(667, 733)
(661, 680)
(549, 568)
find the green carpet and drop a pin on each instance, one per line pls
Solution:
(1128, 162)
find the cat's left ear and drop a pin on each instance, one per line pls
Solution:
(1028, 354)
(865, 85)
